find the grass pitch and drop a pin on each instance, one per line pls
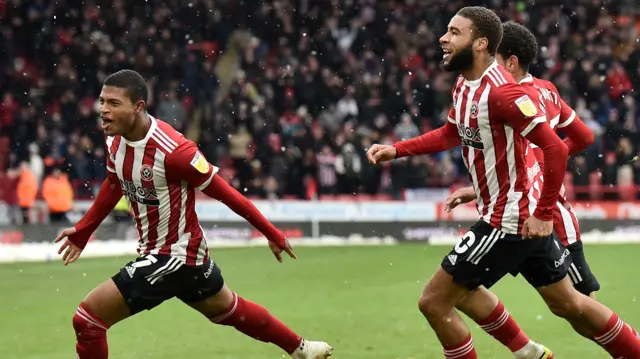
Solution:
(362, 300)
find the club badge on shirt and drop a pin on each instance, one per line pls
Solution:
(199, 163)
(526, 106)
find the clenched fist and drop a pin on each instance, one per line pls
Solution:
(381, 153)
(535, 228)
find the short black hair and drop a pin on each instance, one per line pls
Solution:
(132, 82)
(485, 24)
(518, 41)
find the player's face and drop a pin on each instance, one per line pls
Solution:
(117, 112)
(458, 45)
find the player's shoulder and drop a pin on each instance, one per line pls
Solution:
(497, 77)
(167, 138)
(112, 142)
(506, 91)
(546, 84)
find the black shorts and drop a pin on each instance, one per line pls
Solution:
(580, 273)
(484, 255)
(150, 280)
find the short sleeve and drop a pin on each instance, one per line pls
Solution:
(513, 105)
(188, 164)
(567, 114)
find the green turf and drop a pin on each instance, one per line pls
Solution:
(361, 300)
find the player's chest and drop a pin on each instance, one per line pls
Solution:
(472, 123)
(142, 176)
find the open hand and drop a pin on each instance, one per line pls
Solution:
(72, 252)
(278, 249)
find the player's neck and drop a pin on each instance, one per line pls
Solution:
(140, 127)
(480, 65)
(519, 76)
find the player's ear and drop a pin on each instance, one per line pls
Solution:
(512, 63)
(481, 44)
(139, 107)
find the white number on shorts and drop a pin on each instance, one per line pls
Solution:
(465, 242)
(146, 262)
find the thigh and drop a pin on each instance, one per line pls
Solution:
(483, 256)
(548, 263)
(150, 280)
(107, 303)
(579, 272)
(442, 289)
(207, 291)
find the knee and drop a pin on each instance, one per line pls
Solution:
(86, 325)
(569, 307)
(430, 306)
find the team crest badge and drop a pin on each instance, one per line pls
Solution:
(199, 163)
(146, 173)
(474, 109)
(526, 106)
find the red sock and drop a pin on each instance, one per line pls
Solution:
(91, 334)
(255, 321)
(463, 350)
(501, 326)
(634, 332)
(618, 339)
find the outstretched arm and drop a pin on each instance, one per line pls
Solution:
(441, 139)
(189, 165)
(107, 198)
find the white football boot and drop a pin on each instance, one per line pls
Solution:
(313, 350)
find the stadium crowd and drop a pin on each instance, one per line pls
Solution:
(285, 95)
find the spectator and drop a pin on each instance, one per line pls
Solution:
(171, 110)
(58, 194)
(292, 83)
(27, 191)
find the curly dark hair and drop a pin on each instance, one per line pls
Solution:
(518, 41)
(132, 82)
(485, 24)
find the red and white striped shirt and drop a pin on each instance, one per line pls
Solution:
(158, 176)
(560, 117)
(493, 114)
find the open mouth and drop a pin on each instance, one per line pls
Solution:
(446, 54)
(106, 123)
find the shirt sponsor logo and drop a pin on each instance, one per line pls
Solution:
(143, 195)
(470, 137)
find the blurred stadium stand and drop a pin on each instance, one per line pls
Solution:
(285, 95)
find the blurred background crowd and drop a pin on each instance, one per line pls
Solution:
(286, 95)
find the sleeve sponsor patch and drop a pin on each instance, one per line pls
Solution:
(526, 106)
(200, 163)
